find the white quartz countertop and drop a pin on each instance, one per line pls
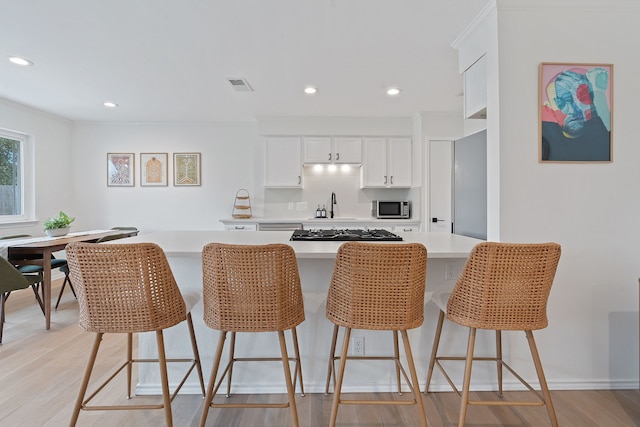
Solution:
(190, 243)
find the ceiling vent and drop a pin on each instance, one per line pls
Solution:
(240, 84)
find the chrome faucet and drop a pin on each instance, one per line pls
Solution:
(333, 202)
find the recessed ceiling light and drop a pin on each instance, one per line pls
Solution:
(310, 90)
(20, 61)
(110, 104)
(393, 91)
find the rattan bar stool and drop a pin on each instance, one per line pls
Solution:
(129, 288)
(377, 286)
(252, 288)
(503, 287)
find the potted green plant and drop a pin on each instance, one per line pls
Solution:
(58, 225)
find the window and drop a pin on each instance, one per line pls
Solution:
(16, 197)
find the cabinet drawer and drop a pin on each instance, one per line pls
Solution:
(406, 228)
(241, 227)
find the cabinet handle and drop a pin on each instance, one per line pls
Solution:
(337, 157)
(239, 227)
(385, 179)
(391, 179)
(329, 156)
(299, 180)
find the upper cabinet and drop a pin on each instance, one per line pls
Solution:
(386, 163)
(475, 90)
(283, 162)
(326, 149)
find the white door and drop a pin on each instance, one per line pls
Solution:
(439, 183)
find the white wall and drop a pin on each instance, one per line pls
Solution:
(229, 162)
(590, 209)
(53, 169)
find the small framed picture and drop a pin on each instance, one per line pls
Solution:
(120, 169)
(186, 169)
(153, 169)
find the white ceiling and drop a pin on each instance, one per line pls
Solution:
(168, 60)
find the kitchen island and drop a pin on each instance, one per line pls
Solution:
(446, 256)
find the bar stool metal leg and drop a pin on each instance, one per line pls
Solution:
(415, 387)
(85, 380)
(213, 387)
(499, 360)
(164, 379)
(332, 359)
(434, 350)
(287, 378)
(232, 350)
(543, 382)
(298, 370)
(338, 388)
(467, 377)
(396, 354)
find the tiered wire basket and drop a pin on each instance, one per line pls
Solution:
(242, 205)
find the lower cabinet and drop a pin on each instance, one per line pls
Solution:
(406, 227)
(241, 227)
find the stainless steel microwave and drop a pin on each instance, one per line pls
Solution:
(391, 209)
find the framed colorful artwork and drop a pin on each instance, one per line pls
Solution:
(575, 112)
(120, 169)
(186, 169)
(153, 169)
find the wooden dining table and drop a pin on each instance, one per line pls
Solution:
(22, 253)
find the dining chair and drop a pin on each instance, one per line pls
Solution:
(377, 286)
(34, 269)
(65, 267)
(252, 288)
(11, 279)
(503, 287)
(127, 289)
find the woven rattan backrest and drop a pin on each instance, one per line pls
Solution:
(505, 286)
(378, 286)
(124, 287)
(251, 288)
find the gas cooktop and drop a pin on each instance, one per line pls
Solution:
(346, 235)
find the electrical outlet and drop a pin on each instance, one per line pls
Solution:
(450, 270)
(302, 206)
(290, 206)
(357, 345)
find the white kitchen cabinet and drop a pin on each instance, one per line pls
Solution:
(414, 226)
(241, 227)
(475, 90)
(339, 150)
(386, 163)
(283, 162)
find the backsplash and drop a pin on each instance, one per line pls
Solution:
(352, 201)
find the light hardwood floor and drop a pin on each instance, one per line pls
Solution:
(40, 372)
